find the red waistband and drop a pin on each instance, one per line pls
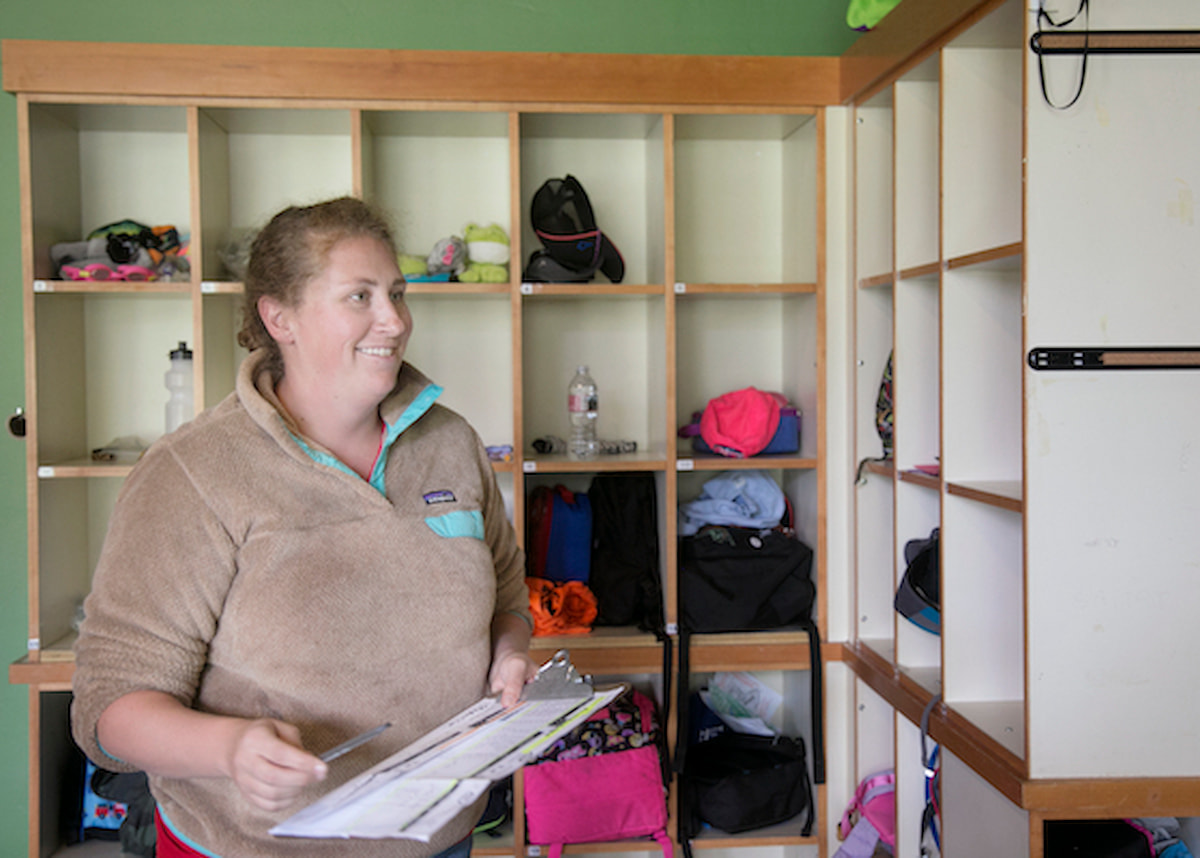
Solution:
(168, 845)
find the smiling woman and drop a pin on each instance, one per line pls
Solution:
(328, 494)
(342, 344)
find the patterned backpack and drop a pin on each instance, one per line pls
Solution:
(883, 409)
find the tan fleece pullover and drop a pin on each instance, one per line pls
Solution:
(245, 578)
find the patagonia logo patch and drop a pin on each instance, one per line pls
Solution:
(440, 496)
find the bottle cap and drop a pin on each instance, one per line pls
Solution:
(182, 352)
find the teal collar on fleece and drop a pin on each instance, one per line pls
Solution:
(392, 431)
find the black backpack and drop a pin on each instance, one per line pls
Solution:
(625, 559)
(575, 248)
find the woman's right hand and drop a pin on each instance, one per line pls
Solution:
(153, 731)
(269, 765)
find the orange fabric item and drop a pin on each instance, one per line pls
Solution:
(567, 608)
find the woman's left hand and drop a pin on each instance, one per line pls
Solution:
(508, 675)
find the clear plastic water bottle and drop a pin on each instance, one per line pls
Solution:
(582, 403)
(180, 407)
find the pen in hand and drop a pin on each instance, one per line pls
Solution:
(350, 744)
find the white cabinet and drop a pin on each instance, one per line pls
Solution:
(1062, 496)
(714, 203)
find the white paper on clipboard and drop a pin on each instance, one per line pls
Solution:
(415, 792)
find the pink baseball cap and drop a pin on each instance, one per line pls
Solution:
(740, 423)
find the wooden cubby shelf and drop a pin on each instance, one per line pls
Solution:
(997, 493)
(920, 478)
(685, 289)
(920, 180)
(876, 281)
(687, 460)
(655, 153)
(1005, 258)
(109, 287)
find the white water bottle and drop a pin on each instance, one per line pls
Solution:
(582, 404)
(180, 407)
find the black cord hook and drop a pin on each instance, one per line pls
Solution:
(1043, 15)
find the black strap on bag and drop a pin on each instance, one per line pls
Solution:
(816, 677)
(737, 782)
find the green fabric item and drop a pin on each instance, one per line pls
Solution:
(492, 232)
(484, 272)
(410, 264)
(865, 14)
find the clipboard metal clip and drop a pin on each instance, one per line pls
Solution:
(557, 679)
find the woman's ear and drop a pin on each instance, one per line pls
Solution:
(275, 318)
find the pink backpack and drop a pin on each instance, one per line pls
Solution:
(870, 817)
(605, 783)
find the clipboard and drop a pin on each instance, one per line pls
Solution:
(418, 790)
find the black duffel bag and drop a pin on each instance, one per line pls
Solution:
(737, 579)
(737, 782)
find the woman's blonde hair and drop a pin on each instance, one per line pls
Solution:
(291, 250)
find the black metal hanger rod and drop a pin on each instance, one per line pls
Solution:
(1116, 357)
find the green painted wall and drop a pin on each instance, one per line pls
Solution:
(774, 27)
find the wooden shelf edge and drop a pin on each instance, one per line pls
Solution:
(1102, 798)
(690, 461)
(26, 672)
(363, 74)
(781, 651)
(110, 287)
(84, 468)
(885, 468)
(749, 840)
(995, 763)
(588, 290)
(920, 478)
(917, 272)
(876, 281)
(604, 651)
(685, 289)
(614, 651)
(987, 493)
(992, 762)
(604, 846)
(556, 463)
(1002, 253)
